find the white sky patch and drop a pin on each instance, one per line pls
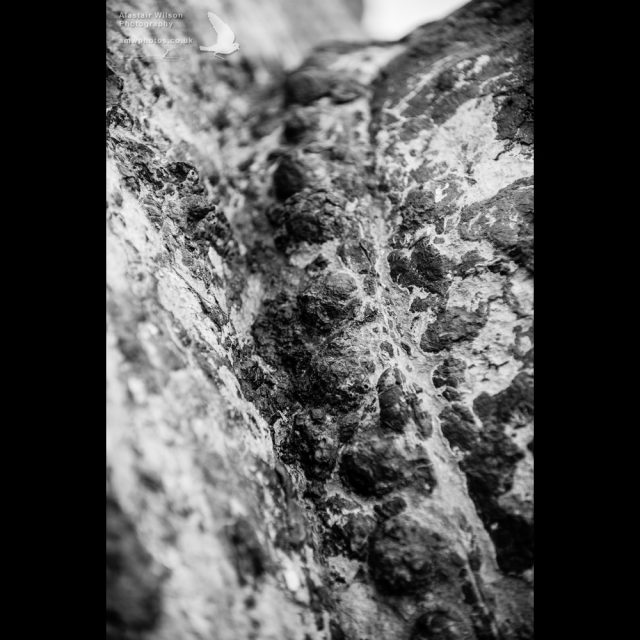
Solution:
(393, 19)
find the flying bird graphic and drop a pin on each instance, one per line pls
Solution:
(225, 43)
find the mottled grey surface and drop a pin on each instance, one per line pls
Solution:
(320, 298)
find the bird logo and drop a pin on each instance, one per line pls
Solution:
(225, 44)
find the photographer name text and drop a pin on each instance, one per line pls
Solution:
(162, 19)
